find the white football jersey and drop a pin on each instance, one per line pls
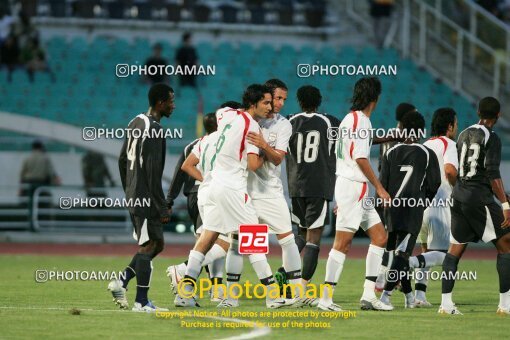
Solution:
(265, 182)
(446, 152)
(229, 163)
(204, 150)
(355, 140)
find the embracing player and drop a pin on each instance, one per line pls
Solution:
(475, 214)
(141, 164)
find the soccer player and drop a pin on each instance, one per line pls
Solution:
(410, 173)
(353, 171)
(385, 145)
(310, 174)
(266, 189)
(435, 231)
(141, 164)
(475, 214)
(228, 205)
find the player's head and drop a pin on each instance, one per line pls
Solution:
(366, 94)
(309, 98)
(279, 91)
(232, 104)
(157, 49)
(161, 99)
(186, 38)
(257, 100)
(402, 109)
(413, 125)
(210, 123)
(444, 123)
(37, 145)
(489, 108)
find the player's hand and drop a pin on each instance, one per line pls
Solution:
(165, 218)
(335, 210)
(506, 222)
(383, 194)
(257, 140)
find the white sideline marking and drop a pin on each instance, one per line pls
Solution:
(255, 333)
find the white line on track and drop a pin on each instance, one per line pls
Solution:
(254, 333)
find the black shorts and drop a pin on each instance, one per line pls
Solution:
(401, 241)
(309, 212)
(193, 211)
(472, 223)
(404, 219)
(146, 229)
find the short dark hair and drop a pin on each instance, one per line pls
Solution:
(402, 109)
(37, 145)
(413, 121)
(157, 46)
(159, 92)
(232, 104)
(441, 120)
(275, 84)
(186, 36)
(489, 108)
(210, 122)
(253, 94)
(309, 98)
(366, 90)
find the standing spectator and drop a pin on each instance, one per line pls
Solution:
(24, 30)
(186, 56)
(6, 22)
(95, 172)
(37, 171)
(380, 11)
(34, 59)
(9, 55)
(156, 59)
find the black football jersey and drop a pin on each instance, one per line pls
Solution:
(181, 180)
(141, 164)
(411, 174)
(310, 161)
(479, 151)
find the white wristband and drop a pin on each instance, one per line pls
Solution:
(506, 206)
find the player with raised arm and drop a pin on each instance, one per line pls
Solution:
(141, 164)
(410, 173)
(310, 175)
(228, 205)
(475, 214)
(353, 172)
(435, 231)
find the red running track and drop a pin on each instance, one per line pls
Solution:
(180, 250)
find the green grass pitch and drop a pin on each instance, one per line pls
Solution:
(42, 310)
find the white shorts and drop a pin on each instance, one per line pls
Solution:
(275, 213)
(226, 209)
(435, 229)
(353, 210)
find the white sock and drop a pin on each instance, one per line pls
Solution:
(216, 268)
(234, 268)
(264, 273)
(334, 268)
(410, 297)
(413, 262)
(434, 258)
(216, 252)
(446, 300)
(292, 262)
(373, 265)
(195, 260)
(504, 300)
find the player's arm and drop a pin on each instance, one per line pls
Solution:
(177, 183)
(450, 172)
(123, 163)
(367, 170)
(254, 161)
(153, 149)
(492, 161)
(272, 155)
(189, 167)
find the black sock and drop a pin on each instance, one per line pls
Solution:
(129, 272)
(300, 242)
(143, 276)
(217, 280)
(503, 265)
(421, 261)
(399, 267)
(450, 264)
(310, 259)
(385, 258)
(420, 286)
